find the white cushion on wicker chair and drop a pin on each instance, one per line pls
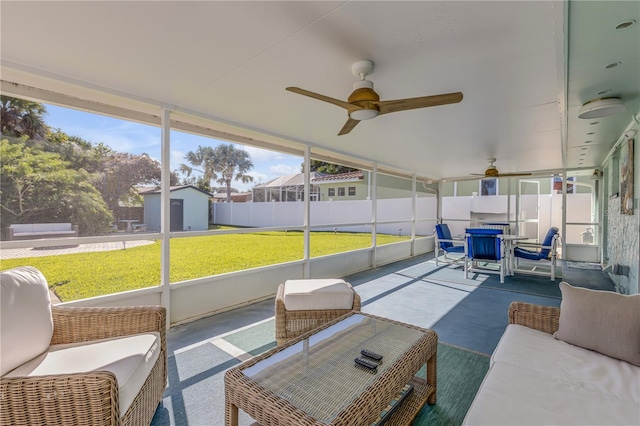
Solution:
(130, 359)
(311, 294)
(26, 324)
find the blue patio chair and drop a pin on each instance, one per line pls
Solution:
(538, 254)
(448, 245)
(484, 246)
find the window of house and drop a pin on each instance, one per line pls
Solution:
(341, 192)
(331, 192)
(352, 191)
(557, 185)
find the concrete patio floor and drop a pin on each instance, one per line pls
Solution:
(466, 316)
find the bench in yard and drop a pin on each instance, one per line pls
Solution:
(30, 231)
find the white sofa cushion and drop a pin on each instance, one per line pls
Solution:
(514, 395)
(129, 358)
(26, 324)
(560, 361)
(311, 294)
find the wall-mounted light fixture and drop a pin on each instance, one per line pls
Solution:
(597, 174)
(601, 107)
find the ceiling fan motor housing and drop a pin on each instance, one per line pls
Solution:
(364, 94)
(365, 97)
(491, 172)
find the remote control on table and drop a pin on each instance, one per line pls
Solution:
(372, 355)
(366, 363)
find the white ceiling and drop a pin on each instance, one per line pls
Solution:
(229, 63)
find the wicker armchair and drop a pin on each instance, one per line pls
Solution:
(88, 398)
(293, 323)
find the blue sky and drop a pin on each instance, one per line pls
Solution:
(134, 138)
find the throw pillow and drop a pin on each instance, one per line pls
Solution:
(603, 321)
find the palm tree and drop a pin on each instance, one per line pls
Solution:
(232, 163)
(20, 117)
(203, 159)
(221, 164)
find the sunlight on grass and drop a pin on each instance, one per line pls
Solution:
(83, 275)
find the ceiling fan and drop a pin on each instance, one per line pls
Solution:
(492, 171)
(364, 103)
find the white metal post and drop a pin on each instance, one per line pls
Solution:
(165, 261)
(414, 213)
(374, 213)
(564, 214)
(307, 212)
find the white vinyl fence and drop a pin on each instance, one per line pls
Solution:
(394, 215)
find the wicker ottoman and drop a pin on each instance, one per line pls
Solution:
(302, 305)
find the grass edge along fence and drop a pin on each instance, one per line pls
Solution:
(83, 275)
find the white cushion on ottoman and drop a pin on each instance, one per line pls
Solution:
(305, 295)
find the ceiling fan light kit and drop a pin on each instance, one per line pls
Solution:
(601, 107)
(363, 114)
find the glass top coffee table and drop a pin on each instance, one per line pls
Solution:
(313, 379)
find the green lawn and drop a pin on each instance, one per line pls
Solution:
(82, 275)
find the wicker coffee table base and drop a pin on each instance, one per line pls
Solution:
(411, 406)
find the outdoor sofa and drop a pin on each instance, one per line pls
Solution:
(76, 365)
(31, 231)
(574, 365)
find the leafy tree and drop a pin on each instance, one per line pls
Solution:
(219, 189)
(197, 181)
(37, 186)
(75, 151)
(221, 164)
(328, 168)
(19, 117)
(119, 173)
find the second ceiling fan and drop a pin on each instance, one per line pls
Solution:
(492, 171)
(364, 103)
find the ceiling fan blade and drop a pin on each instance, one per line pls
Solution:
(513, 174)
(338, 102)
(348, 126)
(386, 107)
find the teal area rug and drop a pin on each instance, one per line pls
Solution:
(460, 373)
(454, 274)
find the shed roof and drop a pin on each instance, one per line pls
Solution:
(175, 188)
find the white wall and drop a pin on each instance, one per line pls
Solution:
(456, 212)
(195, 209)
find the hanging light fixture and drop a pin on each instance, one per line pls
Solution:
(601, 107)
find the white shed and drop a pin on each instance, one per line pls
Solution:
(189, 209)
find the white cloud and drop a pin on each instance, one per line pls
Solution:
(284, 169)
(258, 178)
(177, 158)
